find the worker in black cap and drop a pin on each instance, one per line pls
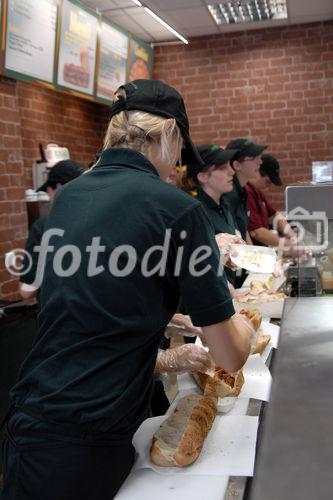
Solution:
(85, 387)
(62, 172)
(208, 183)
(246, 165)
(261, 213)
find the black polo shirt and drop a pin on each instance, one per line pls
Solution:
(93, 360)
(30, 263)
(237, 200)
(221, 217)
(219, 214)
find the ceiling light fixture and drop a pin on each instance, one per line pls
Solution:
(240, 11)
(158, 19)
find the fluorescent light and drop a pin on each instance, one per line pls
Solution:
(166, 25)
(245, 11)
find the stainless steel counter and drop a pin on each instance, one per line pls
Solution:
(295, 456)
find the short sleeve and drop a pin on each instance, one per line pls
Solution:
(202, 285)
(30, 261)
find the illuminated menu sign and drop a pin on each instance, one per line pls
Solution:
(77, 50)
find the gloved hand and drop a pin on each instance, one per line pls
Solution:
(185, 322)
(224, 242)
(243, 323)
(186, 358)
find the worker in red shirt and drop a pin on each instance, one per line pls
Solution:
(261, 213)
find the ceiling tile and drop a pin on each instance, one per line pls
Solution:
(189, 18)
(101, 4)
(164, 5)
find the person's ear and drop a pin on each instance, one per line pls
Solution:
(236, 165)
(202, 177)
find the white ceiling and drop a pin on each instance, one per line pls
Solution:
(191, 18)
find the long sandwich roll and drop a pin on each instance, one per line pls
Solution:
(179, 440)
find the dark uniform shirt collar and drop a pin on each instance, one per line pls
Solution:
(127, 158)
(208, 200)
(241, 192)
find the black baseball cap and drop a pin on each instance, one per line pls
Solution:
(245, 147)
(157, 98)
(270, 167)
(211, 154)
(62, 172)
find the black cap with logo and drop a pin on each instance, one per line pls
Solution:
(270, 168)
(62, 172)
(211, 154)
(157, 98)
(245, 148)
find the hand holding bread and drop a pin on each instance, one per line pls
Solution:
(185, 358)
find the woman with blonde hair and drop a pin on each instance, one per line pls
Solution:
(125, 246)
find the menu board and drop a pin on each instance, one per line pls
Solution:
(113, 50)
(140, 60)
(30, 38)
(77, 49)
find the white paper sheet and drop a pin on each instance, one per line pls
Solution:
(272, 330)
(146, 484)
(228, 450)
(257, 379)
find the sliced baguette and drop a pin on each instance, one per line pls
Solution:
(179, 440)
(226, 384)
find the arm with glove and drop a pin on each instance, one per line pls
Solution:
(186, 358)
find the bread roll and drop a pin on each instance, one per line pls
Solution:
(226, 384)
(253, 315)
(179, 440)
(262, 342)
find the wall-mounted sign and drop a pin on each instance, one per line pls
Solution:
(113, 50)
(77, 49)
(140, 60)
(30, 38)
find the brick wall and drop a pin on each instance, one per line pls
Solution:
(30, 115)
(274, 85)
(13, 218)
(49, 116)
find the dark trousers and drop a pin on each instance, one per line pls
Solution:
(42, 466)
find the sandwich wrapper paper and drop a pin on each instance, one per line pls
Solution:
(146, 484)
(229, 448)
(257, 379)
(267, 328)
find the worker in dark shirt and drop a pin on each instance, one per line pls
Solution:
(261, 213)
(62, 172)
(208, 183)
(122, 246)
(246, 165)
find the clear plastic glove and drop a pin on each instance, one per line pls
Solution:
(232, 290)
(183, 321)
(224, 242)
(186, 358)
(242, 322)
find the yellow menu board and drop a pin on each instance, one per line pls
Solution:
(77, 47)
(113, 49)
